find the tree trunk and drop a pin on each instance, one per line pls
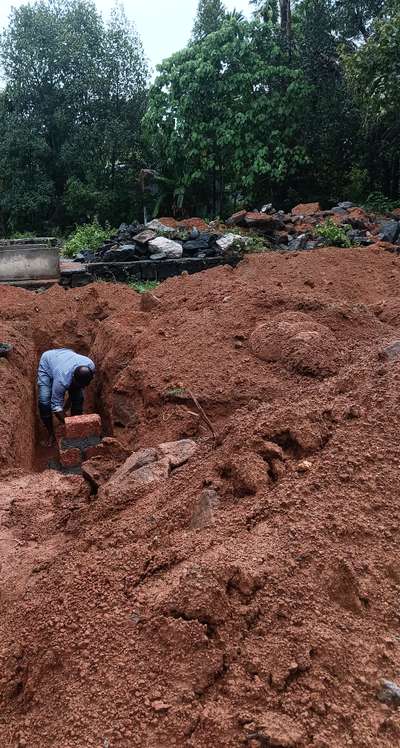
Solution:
(286, 23)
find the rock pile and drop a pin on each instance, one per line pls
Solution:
(166, 239)
(297, 230)
(163, 239)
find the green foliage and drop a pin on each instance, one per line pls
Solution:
(210, 16)
(373, 77)
(70, 137)
(334, 236)
(376, 202)
(23, 235)
(357, 184)
(143, 286)
(222, 116)
(90, 236)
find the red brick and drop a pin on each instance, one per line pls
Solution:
(70, 457)
(77, 427)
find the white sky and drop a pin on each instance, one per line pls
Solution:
(164, 25)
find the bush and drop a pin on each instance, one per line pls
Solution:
(88, 237)
(376, 202)
(333, 235)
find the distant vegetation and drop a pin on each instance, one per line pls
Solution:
(301, 102)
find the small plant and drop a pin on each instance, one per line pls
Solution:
(90, 236)
(143, 286)
(255, 245)
(333, 235)
(176, 392)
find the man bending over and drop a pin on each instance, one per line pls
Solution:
(62, 371)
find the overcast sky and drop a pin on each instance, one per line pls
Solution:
(164, 25)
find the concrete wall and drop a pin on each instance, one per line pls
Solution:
(29, 262)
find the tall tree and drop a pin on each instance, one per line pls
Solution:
(210, 15)
(222, 116)
(80, 90)
(373, 73)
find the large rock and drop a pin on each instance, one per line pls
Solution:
(237, 218)
(136, 461)
(154, 464)
(171, 250)
(298, 342)
(159, 227)
(358, 219)
(124, 253)
(177, 452)
(262, 221)
(200, 244)
(145, 236)
(306, 209)
(389, 231)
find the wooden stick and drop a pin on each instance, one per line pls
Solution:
(202, 413)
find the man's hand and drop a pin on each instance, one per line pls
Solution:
(60, 415)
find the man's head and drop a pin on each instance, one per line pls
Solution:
(83, 376)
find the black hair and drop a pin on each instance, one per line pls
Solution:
(83, 376)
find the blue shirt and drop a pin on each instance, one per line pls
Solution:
(56, 368)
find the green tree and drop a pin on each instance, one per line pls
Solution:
(372, 74)
(79, 88)
(222, 116)
(210, 15)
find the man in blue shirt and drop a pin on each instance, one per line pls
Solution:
(62, 371)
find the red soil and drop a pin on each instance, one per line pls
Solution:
(254, 591)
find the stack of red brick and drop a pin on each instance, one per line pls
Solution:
(80, 441)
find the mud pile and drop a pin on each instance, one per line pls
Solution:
(251, 597)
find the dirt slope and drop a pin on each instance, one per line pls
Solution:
(255, 591)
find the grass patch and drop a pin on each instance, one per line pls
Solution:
(143, 286)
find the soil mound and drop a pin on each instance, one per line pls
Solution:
(299, 343)
(248, 595)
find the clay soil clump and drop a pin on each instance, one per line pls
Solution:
(246, 594)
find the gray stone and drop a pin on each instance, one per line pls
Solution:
(172, 250)
(346, 205)
(299, 242)
(203, 514)
(124, 253)
(159, 227)
(389, 693)
(145, 236)
(389, 231)
(157, 256)
(228, 240)
(268, 208)
(177, 452)
(391, 352)
(338, 210)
